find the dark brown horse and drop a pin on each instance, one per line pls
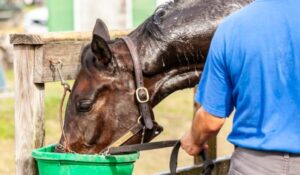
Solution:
(172, 46)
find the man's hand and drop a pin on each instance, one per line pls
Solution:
(188, 144)
(203, 127)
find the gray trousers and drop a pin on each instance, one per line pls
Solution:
(250, 162)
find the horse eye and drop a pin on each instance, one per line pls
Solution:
(84, 105)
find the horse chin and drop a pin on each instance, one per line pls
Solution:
(90, 149)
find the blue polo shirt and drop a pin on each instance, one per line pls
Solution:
(254, 66)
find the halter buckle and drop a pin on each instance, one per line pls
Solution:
(142, 89)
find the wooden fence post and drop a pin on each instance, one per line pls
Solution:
(29, 109)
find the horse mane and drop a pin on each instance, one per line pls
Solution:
(150, 28)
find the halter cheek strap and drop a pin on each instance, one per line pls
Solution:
(142, 94)
(146, 119)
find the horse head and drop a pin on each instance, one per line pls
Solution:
(171, 44)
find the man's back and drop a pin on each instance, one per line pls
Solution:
(255, 58)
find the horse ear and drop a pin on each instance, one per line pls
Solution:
(100, 49)
(101, 30)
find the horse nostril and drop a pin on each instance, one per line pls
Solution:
(84, 105)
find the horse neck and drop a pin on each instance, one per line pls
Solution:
(171, 67)
(173, 53)
(173, 64)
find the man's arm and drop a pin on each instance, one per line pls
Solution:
(203, 127)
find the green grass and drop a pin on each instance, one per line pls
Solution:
(7, 111)
(53, 94)
(9, 75)
(6, 119)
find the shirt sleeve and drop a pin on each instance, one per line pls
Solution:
(214, 89)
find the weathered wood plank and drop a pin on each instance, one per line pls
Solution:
(68, 52)
(29, 110)
(223, 146)
(58, 37)
(38, 70)
(64, 46)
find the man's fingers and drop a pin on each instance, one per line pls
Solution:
(190, 147)
(192, 150)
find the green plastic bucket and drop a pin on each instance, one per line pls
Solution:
(50, 163)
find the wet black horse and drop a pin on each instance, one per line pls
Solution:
(172, 46)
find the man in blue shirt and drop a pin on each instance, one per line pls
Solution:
(253, 66)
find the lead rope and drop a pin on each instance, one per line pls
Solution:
(208, 164)
(56, 66)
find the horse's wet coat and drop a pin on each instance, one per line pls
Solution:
(172, 45)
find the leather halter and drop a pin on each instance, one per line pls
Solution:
(146, 113)
(142, 94)
(146, 119)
